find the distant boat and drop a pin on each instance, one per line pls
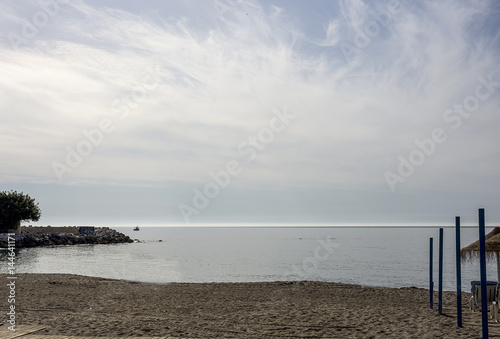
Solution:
(136, 228)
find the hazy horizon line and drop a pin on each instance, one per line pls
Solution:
(264, 225)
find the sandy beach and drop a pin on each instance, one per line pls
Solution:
(94, 307)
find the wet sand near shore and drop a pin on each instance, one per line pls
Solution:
(72, 305)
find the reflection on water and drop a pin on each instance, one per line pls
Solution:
(376, 256)
(109, 261)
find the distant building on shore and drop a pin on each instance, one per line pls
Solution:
(86, 229)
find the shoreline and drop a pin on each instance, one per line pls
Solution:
(69, 304)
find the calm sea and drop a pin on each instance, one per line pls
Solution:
(389, 257)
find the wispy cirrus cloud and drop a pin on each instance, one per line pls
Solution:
(221, 77)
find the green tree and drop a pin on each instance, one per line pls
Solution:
(16, 207)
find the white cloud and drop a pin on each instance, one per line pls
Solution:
(353, 117)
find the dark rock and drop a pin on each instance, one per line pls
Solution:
(103, 235)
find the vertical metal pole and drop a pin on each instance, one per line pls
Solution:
(498, 266)
(440, 292)
(459, 272)
(482, 259)
(431, 283)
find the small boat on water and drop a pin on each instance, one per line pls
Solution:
(136, 228)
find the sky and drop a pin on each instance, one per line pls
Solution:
(118, 113)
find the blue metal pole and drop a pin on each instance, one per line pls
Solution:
(459, 272)
(431, 283)
(440, 292)
(482, 259)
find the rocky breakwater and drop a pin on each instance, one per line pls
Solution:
(36, 237)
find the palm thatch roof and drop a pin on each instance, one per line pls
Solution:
(492, 244)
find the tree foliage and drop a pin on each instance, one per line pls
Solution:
(15, 207)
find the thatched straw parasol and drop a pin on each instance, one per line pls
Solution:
(492, 245)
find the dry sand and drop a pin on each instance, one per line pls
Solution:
(93, 307)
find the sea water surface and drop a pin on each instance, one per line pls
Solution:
(373, 256)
